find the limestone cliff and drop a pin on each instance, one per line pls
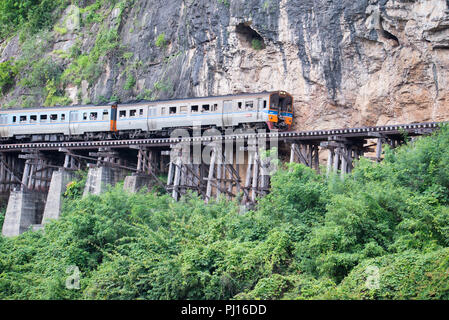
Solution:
(347, 62)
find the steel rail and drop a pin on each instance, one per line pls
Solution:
(358, 132)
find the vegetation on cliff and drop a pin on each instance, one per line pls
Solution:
(44, 74)
(312, 237)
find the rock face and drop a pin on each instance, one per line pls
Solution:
(346, 62)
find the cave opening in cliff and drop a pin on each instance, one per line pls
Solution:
(249, 37)
(388, 35)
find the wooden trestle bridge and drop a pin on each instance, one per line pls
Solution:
(232, 165)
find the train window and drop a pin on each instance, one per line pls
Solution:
(264, 104)
(163, 110)
(63, 117)
(53, 117)
(14, 119)
(132, 113)
(239, 104)
(105, 113)
(33, 118)
(194, 108)
(183, 109)
(206, 108)
(23, 118)
(85, 116)
(140, 112)
(249, 104)
(172, 110)
(43, 118)
(93, 116)
(214, 107)
(122, 114)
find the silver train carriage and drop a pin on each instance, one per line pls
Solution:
(273, 110)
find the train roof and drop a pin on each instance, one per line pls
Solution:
(143, 101)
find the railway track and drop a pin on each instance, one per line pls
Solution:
(318, 135)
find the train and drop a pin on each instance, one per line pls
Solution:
(146, 119)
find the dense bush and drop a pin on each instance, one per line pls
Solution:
(31, 14)
(8, 71)
(312, 237)
(410, 274)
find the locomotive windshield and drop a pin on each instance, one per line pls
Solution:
(285, 104)
(281, 101)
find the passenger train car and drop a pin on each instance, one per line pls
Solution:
(272, 110)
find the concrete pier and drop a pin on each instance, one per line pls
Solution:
(58, 187)
(136, 182)
(99, 178)
(25, 210)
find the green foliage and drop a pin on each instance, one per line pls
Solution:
(61, 30)
(146, 94)
(266, 5)
(41, 72)
(159, 87)
(410, 274)
(83, 68)
(130, 82)
(128, 55)
(162, 85)
(312, 237)
(8, 72)
(225, 2)
(44, 77)
(256, 44)
(55, 96)
(2, 215)
(32, 15)
(89, 66)
(160, 40)
(75, 188)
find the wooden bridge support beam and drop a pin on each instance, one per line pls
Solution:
(183, 175)
(148, 161)
(341, 155)
(10, 177)
(148, 167)
(305, 153)
(213, 179)
(257, 179)
(37, 171)
(211, 173)
(382, 139)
